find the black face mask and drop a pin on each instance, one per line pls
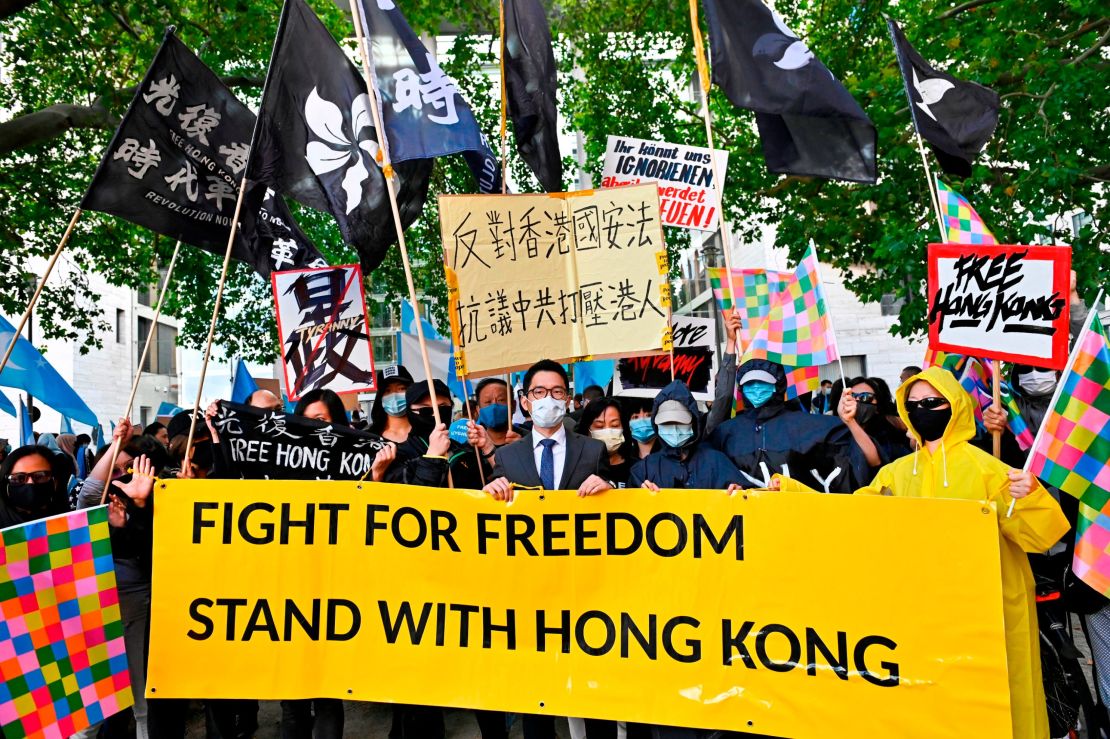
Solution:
(865, 412)
(31, 496)
(423, 420)
(930, 424)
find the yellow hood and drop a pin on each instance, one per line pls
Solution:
(962, 425)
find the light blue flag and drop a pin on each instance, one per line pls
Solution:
(595, 372)
(26, 432)
(408, 318)
(29, 371)
(67, 426)
(244, 384)
(98, 438)
(6, 405)
(166, 408)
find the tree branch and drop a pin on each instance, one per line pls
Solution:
(1086, 54)
(970, 5)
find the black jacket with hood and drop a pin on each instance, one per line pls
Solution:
(779, 437)
(694, 465)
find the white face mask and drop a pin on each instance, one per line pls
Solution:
(547, 413)
(1038, 382)
(613, 438)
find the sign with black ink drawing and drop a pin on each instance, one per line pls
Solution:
(695, 362)
(264, 445)
(323, 330)
(1000, 302)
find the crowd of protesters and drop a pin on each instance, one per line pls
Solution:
(851, 435)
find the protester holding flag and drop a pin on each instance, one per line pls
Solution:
(862, 411)
(607, 421)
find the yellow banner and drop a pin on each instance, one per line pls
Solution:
(797, 615)
(562, 275)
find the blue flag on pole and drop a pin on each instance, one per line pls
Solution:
(66, 427)
(425, 114)
(29, 371)
(244, 384)
(595, 372)
(26, 432)
(6, 405)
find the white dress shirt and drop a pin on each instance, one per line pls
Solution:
(559, 451)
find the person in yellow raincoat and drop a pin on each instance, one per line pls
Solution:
(940, 416)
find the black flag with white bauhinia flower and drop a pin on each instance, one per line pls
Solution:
(531, 84)
(424, 113)
(316, 140)
(176, 162)
(810, 125)
(957, 118)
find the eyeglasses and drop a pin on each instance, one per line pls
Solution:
(539, 393)
(22, 478)
(864, 397)
(929, 404)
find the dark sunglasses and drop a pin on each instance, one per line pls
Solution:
(22, 478)
(429, 412)
(864, 397)
(929, 404)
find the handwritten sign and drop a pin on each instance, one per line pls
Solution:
(562, 275)
(695, 362)
(1000, 302)
(323, 329)
(687, 196)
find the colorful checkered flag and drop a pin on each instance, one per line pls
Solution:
(1072, 450)
(962, 224)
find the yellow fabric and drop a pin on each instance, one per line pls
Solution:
(1036, 524)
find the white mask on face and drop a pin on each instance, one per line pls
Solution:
(1038, 382)
(547, 413)
(613, 438)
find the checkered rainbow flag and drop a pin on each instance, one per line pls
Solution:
(62, 660)
(796, 332)
(1072, 451)
(962, 224)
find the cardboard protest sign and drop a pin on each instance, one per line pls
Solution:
(695, 362)
(687, 195)
(263, 445)
(1000, 302)
(562, 275)
(323, 330)
(435, 587)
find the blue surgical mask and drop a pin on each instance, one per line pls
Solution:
(395, 404)
(642, 430)
(676, 435)
(494, 416)
(758, 392)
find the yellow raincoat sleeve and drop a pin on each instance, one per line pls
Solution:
(882, 484)
(1037, 521)
(790, 485)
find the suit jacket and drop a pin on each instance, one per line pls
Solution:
(516, 462)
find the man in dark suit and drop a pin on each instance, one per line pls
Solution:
(549, 456)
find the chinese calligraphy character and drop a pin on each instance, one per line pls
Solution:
(433, 88)
(501, 323)
(273, 425)
(561, 222)
(612, 225)
(543, 304)
(530, 236)
(143, 157)
(198, 121)
(642, 239)
(235, 156)
(326, 436)
(586, 228)
(165, 91)
(219, 190)
(469, 326)
(466, 241)
(592, 302)
(186, 176)
(493, 220)
(282, 252)
(520, 306)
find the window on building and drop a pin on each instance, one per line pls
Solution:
(141, 332)
(167, 350)
(148, 295)
(1078, 221)
(890, 305)
(121, 326)
(385, 350)
(145, 415)
(855, 365)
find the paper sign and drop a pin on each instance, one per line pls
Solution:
(1000, 302)
(694, 359)
(687, 196)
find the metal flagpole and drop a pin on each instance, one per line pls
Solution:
(142, 360)
(38, 290)
(387, 171)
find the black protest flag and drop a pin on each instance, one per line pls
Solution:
(423, 111)
(809, 123)
(176, 162)
(957, 118)
(316, 140)
(531, 84)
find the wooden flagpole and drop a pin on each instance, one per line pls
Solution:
(387, 171)
(504, 106)
(142, 360)
(38, 290)
(828, 313)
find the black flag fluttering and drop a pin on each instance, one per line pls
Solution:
(423, 111)
(531, 84)
(809, 123)
(957, 118)
(316, 140)
(176, 162)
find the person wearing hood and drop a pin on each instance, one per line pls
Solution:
(32, 485)
(863, 410)
(941, 419)
(684, 461)
(768, 437)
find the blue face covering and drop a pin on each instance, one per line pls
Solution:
(758, 392)
(676, 435)
(395, 404)
(642, 430)
(494, 416)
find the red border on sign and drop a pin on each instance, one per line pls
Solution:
(1060, 256)
(365, 318)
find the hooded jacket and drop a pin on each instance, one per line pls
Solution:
(694, 465)
(960, 470)
(784, 439)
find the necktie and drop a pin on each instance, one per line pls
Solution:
(547, 464)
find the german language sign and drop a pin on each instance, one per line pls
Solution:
(323, 329)
(554, 605)
(695, 362)
(1000, 302)
(562, 275)
(261, 444)
(687, 195)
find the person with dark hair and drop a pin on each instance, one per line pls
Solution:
(266, 400)
(640, 426)
(389, 411)
(821, 404)
(32, 485)
(861, 409)
(607, 421)
(83, 455)
(324, 405)
(591, 393)
(493, 410)
(157, 429)
(908, 372)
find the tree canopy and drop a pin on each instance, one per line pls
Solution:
(624, 67)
